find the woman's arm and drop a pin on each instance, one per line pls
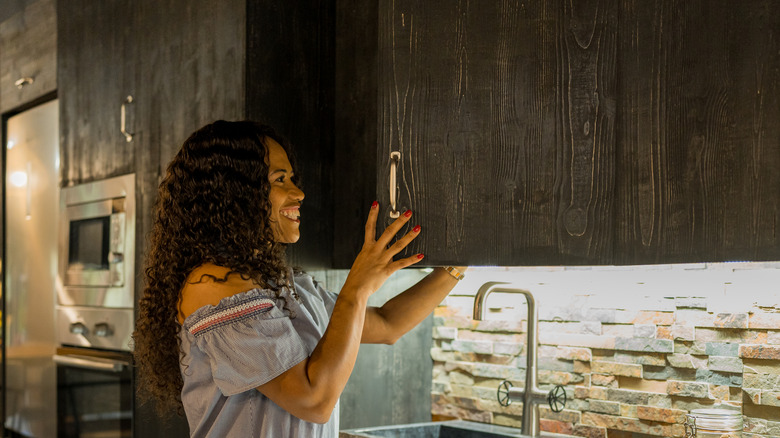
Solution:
(386, 324)
(311, 389)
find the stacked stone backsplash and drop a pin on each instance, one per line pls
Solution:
(635, 347)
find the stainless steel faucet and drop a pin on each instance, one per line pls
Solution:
(530, 395)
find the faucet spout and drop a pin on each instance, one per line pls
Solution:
(531, 394)
(482, 294)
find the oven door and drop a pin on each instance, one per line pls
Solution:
(94, 393)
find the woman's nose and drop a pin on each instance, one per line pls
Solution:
(296, 193)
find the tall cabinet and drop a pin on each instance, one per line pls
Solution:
(185, 64)
(135, 79)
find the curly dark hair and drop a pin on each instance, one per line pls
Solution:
(212, 206)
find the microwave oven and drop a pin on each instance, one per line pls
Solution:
(97, 243)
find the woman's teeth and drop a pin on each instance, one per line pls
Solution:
(291, 214)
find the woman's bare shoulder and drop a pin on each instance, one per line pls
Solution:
(208, 284)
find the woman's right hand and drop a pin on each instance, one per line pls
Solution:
(374, 264)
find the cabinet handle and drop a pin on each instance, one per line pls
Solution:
(21, 82)
(395, 157)
(123, 117)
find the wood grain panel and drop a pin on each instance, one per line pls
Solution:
(192, 71)
(504, 116)
(290, 85)
(587, 100)
(28, 49)
(95, 72)
(355, 105)
(700, 137)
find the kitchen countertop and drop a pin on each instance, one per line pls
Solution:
(405, 430)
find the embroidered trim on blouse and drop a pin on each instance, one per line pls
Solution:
(231, 314)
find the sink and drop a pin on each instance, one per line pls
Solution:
(440, 429)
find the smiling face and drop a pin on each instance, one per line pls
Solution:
(284, 195)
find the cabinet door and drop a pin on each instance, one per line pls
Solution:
(28, 65)
(587, 132)
(700, 131)
(95, 56)
(503, 115)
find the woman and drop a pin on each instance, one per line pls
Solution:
(226, 330)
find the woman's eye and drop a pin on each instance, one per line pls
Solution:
(280, 179)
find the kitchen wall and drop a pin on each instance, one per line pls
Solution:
(636, 347)
(390, 384)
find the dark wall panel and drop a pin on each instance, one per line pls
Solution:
(354, 165)
(289, 85)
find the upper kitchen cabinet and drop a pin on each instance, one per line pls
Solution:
(586, 132)
(497, 125)
(96, 56)
(28, 43)
(699, 131)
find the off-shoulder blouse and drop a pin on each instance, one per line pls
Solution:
(244, 341)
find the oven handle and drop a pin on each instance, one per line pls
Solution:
(81, 362)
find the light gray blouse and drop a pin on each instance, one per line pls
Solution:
(246, 340)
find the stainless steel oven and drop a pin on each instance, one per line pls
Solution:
(94, 393)
(95, 309)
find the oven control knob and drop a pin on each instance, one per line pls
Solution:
(78, 328)
(103, 329)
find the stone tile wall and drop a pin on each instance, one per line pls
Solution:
(636, 348)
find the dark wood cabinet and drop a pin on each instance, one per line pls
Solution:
(472, 98)
(698, 131)
(96, 55)
(190, 68)
(28, 60)
(588, 132)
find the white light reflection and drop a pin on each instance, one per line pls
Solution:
(18, 178)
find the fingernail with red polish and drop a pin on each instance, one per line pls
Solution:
(408, 213)
(416, 229)
(375, 204)
(420, 256)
